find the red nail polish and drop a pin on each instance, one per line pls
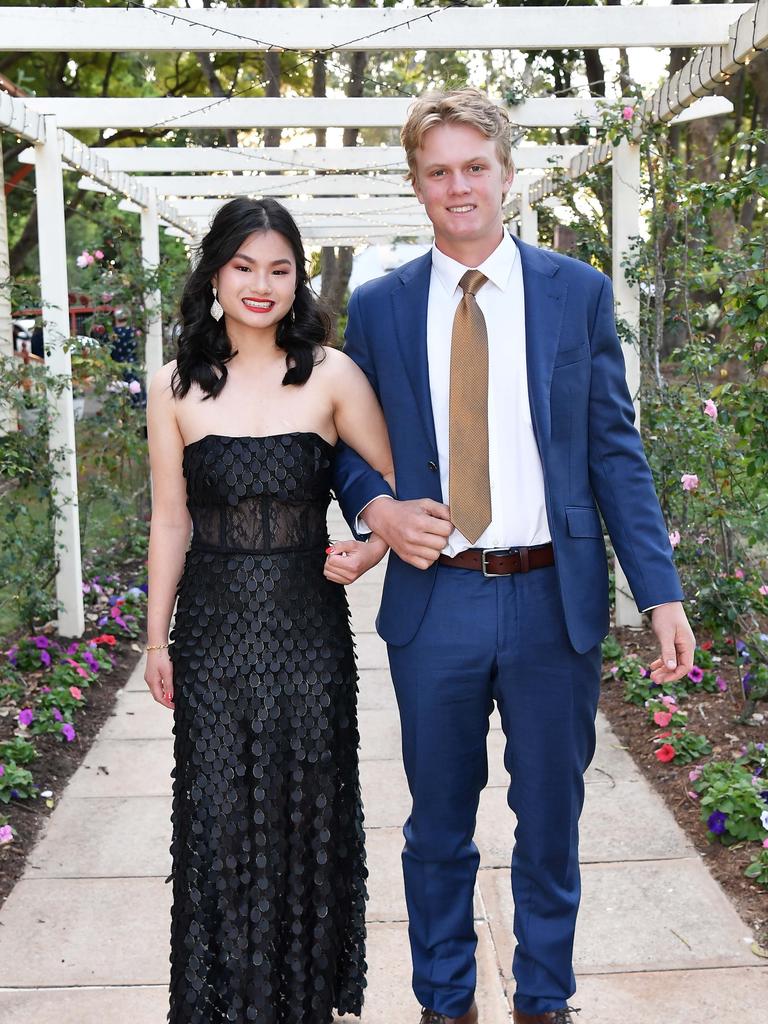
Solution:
(329, 551)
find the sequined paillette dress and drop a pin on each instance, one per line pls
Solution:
(268, 859)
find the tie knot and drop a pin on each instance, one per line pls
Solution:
(472, 282)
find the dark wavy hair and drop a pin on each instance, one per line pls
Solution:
(203, 346)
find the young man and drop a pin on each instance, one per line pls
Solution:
(502, 382)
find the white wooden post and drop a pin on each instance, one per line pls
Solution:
(150, 254)
(529, 218)
(7, 419)
(626, 226)
(55, 301)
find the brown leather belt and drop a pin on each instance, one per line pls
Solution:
(502, 561)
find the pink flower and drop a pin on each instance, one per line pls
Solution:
(628, 113)
(670, 702)
(6, 834)
(722, 684)
(76, 692)
(765, 844)
(694, 774)
(764, 589)
(107, 296)
(134, 387)
(663, 718)
(98, 254)
(739, 574)
(689, 481)
(693, 794)
(84, 259)
(696, 674)
(710, 409)
(674, 538)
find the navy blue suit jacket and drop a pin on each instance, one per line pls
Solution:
(583, 420)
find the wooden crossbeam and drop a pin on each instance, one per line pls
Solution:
(286, 112)
(191, 160)
(175, 30)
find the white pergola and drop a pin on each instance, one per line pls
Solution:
(338, 196)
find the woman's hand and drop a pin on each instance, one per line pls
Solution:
(158, 676)
(349, 559)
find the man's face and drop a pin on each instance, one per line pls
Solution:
(461, 182)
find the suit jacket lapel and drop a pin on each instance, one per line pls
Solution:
(409, 302)
(544, 307)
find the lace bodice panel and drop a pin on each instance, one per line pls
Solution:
(258, 494)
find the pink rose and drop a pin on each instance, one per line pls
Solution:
(98, 254)
(628, 113)
(710, 409)
(689, 481)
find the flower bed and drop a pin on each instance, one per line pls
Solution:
(703, 747)
(54, 697)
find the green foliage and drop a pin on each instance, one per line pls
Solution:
(758, 869)
(18, 750)
(687, 746)
(16, 780)
(725, 787)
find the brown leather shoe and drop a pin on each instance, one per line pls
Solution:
(433, 1017)
(550, 1017)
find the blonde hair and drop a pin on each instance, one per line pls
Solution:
(461, 106)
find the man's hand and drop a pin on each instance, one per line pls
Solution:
(676, 640)
(348, 559)
(415, 530)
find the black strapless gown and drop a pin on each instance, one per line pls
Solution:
(268, 857)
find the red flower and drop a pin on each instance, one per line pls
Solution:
(666, 753)
(706, 645)
(662, 718)
(105, 638)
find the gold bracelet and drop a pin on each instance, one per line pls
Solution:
(156, 647)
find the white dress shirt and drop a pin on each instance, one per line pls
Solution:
(518, 508)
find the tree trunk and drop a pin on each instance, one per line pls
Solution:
(336, 262)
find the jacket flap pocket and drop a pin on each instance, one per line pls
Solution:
(572, 354)
(583, 522)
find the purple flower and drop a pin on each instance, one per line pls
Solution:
(764, 795)
(45, 658)
(73, 647)
(120, 622)
(26, 717)
(40, 641)
(696, 674)
(144, 587)
(90, 661)
(2, 770)
(741, 646)
(57, 714)
(6, 834)
(716, 822)
(722, 684)
(68, 731)
(45, 689)
(760, 746)
(11, 655)
(103, 620)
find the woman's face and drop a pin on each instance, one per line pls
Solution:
(257, 286)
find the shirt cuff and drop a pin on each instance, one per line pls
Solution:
(360, 525)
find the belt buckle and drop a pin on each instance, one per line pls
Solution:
(484, 561)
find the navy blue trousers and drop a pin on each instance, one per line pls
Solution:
(483, 641)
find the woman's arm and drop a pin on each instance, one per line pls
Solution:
(169, 531)
(358, 417)
(360, 423)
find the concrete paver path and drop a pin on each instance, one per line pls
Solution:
(84, 935)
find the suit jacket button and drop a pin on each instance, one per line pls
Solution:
(432, 466)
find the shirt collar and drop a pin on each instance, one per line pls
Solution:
(497, 267)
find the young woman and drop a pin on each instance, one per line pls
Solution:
(268, 859)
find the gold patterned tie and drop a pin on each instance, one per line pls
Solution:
(469, 481)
